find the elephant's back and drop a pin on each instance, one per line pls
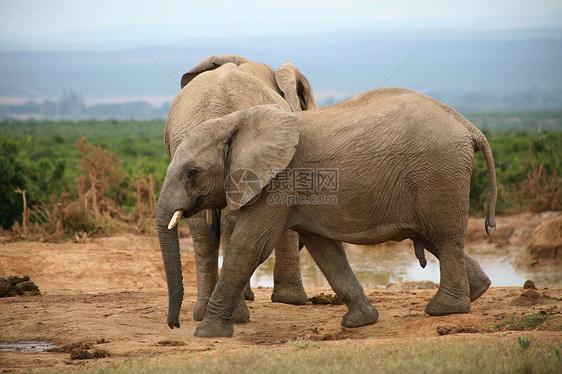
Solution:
(384, 116)
(386, 129)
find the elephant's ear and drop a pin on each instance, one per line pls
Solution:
(211, 63)
(295, 87)
(263, 145)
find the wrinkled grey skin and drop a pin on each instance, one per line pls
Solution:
(215, 87)
(403, 161)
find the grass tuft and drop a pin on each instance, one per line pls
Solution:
(534, 321)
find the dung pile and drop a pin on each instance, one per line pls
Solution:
(18, 286)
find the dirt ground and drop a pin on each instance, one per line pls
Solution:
(109, 293)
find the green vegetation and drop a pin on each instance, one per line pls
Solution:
(56, 168)
(463, 355)
(527, 149)
(18, 172)
(139, 144)
(42, 158)
(534, 321)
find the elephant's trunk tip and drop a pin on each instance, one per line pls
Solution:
(175, 219)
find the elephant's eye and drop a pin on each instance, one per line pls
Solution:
(192, 173)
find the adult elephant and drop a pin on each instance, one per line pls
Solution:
(389, 164)
(217, 86)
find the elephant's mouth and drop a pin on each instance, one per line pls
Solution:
(178, 214)
(187, 213)
(175, 219)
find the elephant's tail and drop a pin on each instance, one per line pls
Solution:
(482, 145)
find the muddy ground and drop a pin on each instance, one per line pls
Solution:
(109, 293)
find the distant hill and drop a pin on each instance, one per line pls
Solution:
(471, 71)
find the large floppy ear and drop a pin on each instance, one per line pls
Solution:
(211, 63)
(263, 145)
(295, 87)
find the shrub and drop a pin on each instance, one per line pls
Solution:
(102, 187)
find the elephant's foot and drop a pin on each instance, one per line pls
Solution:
(214, 328)
(443, 304)
(286, 295)
(478, 281)
(200, 310)
(248, 293)
(363, 315)
(241, 312)
(478, 286)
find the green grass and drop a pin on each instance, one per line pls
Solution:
(463, 355)
(535, 321)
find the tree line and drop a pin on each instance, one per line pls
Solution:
(72, 106)
(62, 164)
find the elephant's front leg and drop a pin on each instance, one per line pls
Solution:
(251, 243)
(330, 257)
(287, 281)
(206, 262)
(241, 312)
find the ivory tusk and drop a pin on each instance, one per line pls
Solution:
(175, 219)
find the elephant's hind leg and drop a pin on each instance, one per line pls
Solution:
(478, 281)
(287, 281)
(330, 256)
(453, 294)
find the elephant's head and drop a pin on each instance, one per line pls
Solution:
(222, 84)
(261, 140)
(288, 81)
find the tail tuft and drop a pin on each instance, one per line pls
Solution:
(488, 224)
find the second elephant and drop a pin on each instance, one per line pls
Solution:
(215, 87)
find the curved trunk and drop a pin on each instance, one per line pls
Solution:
(169, 244)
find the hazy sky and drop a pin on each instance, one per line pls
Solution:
(148, 19)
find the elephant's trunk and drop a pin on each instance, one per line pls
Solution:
(169, 244)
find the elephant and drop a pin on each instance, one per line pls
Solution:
(388, 164)
(215, 87)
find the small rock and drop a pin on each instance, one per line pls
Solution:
(80, 354)
(529, 284)
(100, 353)
(27, 288)
(5, 287)
(70, 347)
(451, 329)
(445, 330)
(325, 299)
(15, 279)
(170, 343)
(18, 285)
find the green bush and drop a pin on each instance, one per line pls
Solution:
(38, 178)
(527, 161)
